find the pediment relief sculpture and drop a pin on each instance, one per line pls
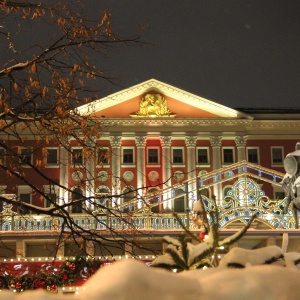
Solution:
(153, 105)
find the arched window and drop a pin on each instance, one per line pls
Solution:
(179, 201)
(76, 195)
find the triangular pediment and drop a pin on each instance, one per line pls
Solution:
(153, 98)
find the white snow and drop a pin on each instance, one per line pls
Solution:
(251, 257)
(130, 279)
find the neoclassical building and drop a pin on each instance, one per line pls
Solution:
(170, 145)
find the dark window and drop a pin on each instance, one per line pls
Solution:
(228, 156)
(52, 158)
(177, 156)
(127, 156)
(277, 155)
(50, 199)
(77, 157)
(253, 156)
(102, 156)
(26, 156)
(279, 195)
(24, 198)
(153, 156)
(76, 196)
(2, 156)
(202, 156)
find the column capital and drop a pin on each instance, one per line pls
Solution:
(165, 141)
(215, 141)
(190, 141)
(115, 141)
(240, 141)
(140, 141)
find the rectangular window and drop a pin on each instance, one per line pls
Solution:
(102, 156)
(52, 157)
(26, 156)
(128, 155)
(152, 156)
(253, 155)
(24, 198)
(51, 192)
(228, 156)
(2, 156)
(177, 156)
(277, 155)
(77, 156)
(202, 156)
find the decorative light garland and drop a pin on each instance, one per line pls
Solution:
(72, 272)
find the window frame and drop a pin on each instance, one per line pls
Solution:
(223, 156)
(51, 190)
(25, 190)
(257, 152)
(202, 164)
(158, 156)
(276, 164)
(52, 165)
(123, 156)
(182, 152)
(26, 164)
(74, 163)
(103, 164)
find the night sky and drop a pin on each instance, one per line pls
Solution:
(238, 53)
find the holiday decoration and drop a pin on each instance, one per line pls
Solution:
(50, 276)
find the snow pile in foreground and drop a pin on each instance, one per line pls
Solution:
(131, 279)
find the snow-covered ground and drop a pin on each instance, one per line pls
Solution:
(131, 279)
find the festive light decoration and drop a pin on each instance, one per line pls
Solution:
(73, 271)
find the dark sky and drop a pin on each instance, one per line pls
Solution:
(240, 53)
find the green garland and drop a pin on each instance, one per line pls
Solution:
(68, 273)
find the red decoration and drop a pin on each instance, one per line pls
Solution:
(92, 270)
(64, 276)
(72, 266)
(18, 285)
(53, 287)
(202, 235)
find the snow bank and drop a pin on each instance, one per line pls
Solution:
(131, 279)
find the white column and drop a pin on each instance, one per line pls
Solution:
(166, 168)
(240, 142)
(63, 176)
(140, 168)
(115, 142)
(190, 142)
(216, 142)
